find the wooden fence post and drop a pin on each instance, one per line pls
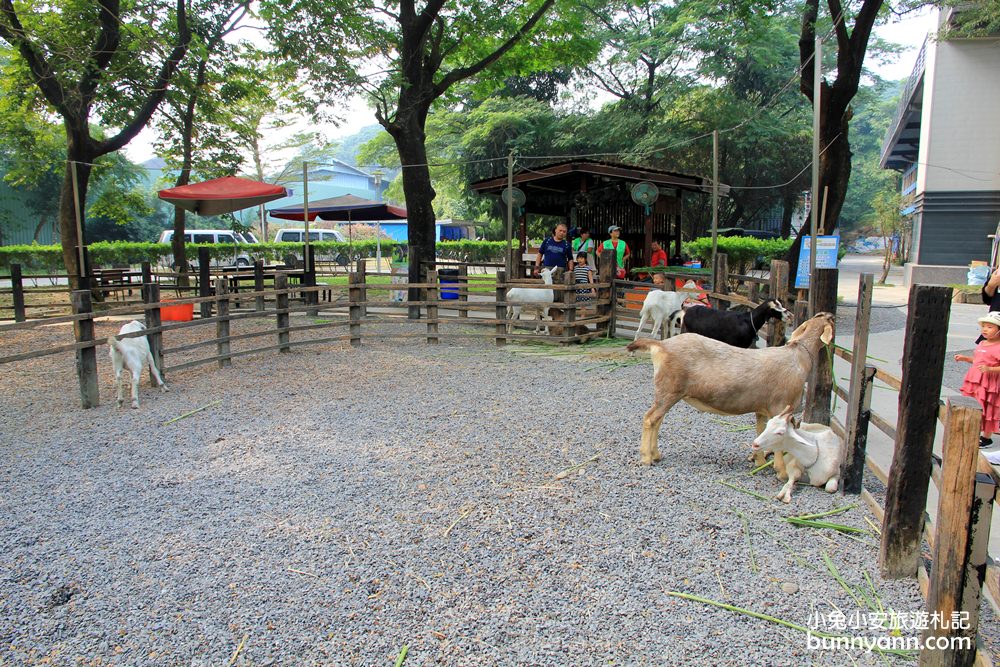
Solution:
(501, 312)
(463, 290)
(85, 274)
(778, 289)
(354, 308)
(820, 391)
(362, 276)
(569, 312)
(432, 308)
(720, 280)
(923, 367)
(222, 325)
(956, 575)
(310, 297)
(517, 262)
(281, 308)
(151, 294)
(258, 283)
(17, 284)
(205, 280)
(86, 358)
(859, 393)
(609, 263)
(801, 312)
(859, 406)
(146, 270)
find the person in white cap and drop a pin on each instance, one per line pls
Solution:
(621, 249)
(982, 382)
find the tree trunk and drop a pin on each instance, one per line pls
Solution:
(408, 133)
(788, 203)
(834, 175)
(80, 156)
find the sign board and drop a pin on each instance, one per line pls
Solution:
(826, 257)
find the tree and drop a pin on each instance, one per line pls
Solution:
(195, 113)
(887, 222)
(32, 159)
(644, 50)
(425, 51)
(87, 58)
(835, 110)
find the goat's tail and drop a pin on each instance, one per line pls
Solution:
(114, 343)
(642, 344)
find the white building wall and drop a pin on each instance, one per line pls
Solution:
(960, 128)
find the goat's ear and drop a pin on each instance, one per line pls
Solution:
(798, 332)
(827, 334)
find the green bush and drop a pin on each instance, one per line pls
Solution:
(743, 252)
(48, 258)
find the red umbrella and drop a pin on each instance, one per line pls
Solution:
(222, 195)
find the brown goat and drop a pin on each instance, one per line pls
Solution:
(722, 379)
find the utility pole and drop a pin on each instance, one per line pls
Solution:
(814, 196)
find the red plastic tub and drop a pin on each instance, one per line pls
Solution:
(181, 312)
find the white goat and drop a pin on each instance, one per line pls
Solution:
(659, 305)
(719, 378)
(536, 301)
(135, 354)
(812, 451)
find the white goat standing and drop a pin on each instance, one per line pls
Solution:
(659, 305)
(536, 301)
(135, 354)
(812, 451)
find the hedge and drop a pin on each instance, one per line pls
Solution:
(48, 258)
(743, 252)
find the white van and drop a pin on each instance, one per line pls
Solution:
(296, 235)
(216, 236)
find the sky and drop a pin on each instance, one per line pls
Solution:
(908, 31)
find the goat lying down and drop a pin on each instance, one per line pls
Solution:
(811, 451)
(134, 354)
(719, 378)
(736, 328)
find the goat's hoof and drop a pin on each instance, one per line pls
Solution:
(783, 498)
(119, 403)
(783, 476)
(164, 388)
(645, 462)
(135, 405)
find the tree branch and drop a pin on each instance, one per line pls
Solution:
(13, 32)
(158, 90)
(463, 73)
(108, 42)
(807, 48)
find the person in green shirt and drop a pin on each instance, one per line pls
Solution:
(584, 243)
(621, 249)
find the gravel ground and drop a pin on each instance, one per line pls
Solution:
(338, 504)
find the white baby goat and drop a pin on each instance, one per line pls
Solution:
(135, 354)
(659, 305)
(812, 451)
(536, 301)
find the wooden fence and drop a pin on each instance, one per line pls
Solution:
(960, 570)
(958, 535)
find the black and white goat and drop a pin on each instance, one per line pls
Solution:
(738, 329)
(133, 354)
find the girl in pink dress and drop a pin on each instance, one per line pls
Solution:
(983, 379)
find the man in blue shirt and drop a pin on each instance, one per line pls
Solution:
(556, 251)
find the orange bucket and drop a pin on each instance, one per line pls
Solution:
(182, 312)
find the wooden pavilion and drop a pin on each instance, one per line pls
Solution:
(591, 194)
